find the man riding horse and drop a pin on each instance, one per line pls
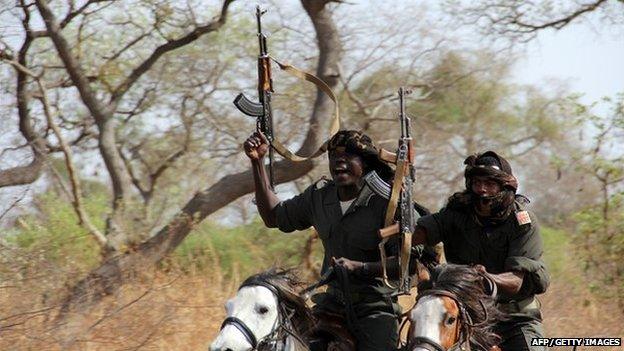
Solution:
(347, 216)
(487, 225)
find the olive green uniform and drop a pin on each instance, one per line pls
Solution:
(352, 235)
(504, 247)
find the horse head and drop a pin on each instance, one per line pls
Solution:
(453, 309)
(266, 312)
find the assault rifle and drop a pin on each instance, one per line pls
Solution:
(401, 197)
(261, 110)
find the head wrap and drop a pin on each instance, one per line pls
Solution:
(360, 144)
(492, 166)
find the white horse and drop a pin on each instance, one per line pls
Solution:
(267, 313)
(453, 310)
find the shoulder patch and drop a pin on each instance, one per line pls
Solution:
(523, 217)
(321, 183)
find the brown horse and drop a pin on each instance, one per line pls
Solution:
(453, 310)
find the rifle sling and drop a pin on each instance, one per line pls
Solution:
(396, 190)
(335, 123)
(399, 173)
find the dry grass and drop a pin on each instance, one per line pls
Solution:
(183, 311)
(570, 310)
(161, 311)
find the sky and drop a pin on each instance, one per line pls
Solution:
(590, 59)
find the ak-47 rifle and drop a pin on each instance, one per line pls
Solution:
(401, 197)
(261, 110)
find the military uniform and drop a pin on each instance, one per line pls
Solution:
(511, 245)
(352, 235)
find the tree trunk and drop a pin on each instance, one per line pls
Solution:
(112, 273)
(25, 174)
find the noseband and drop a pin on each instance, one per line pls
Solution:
(243, 328)
(425, 343)
(465, 326)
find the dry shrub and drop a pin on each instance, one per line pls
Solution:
(181, 309)
(159, 311)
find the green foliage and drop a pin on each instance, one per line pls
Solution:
(599, 238)
(600, 245)
(55, 232)
(237, 251)
(241, 251)
(558, 252)
(482, 107)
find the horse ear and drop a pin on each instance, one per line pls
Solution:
(423, 275)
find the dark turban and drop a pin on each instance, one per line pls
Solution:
(360, 144)
(491, 166)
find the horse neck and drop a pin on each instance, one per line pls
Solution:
(291, 342)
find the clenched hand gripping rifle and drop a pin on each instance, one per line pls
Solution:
(261, 110)
(401, 198)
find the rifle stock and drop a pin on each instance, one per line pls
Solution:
(389, 231)
(388, 156)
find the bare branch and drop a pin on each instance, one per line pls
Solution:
(521, 20)
(69, 164)
(167, 47)
(557, 23)
(72, 66)
(102, 114)
(73, 12)
(19, 147)
(135, 179)
(12, 205)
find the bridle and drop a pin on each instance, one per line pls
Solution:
(282, 328)
(464, 324)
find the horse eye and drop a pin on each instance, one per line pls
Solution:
(262, 309)
(451, 320)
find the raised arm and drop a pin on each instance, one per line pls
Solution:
(256, 147)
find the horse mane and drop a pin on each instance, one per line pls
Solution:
(466, 283)
(288, 285)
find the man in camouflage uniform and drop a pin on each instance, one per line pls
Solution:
(347, 216)
(487, 225)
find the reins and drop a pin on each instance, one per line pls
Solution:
(276, 339)
(465, 323)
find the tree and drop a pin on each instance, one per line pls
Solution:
(600, 238)
(120, 80)
(460, 106)
(176, 137)
(519, 20)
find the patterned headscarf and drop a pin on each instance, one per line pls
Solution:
(492, 166)
(358, 143)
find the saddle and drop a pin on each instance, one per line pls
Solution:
(331, 334)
